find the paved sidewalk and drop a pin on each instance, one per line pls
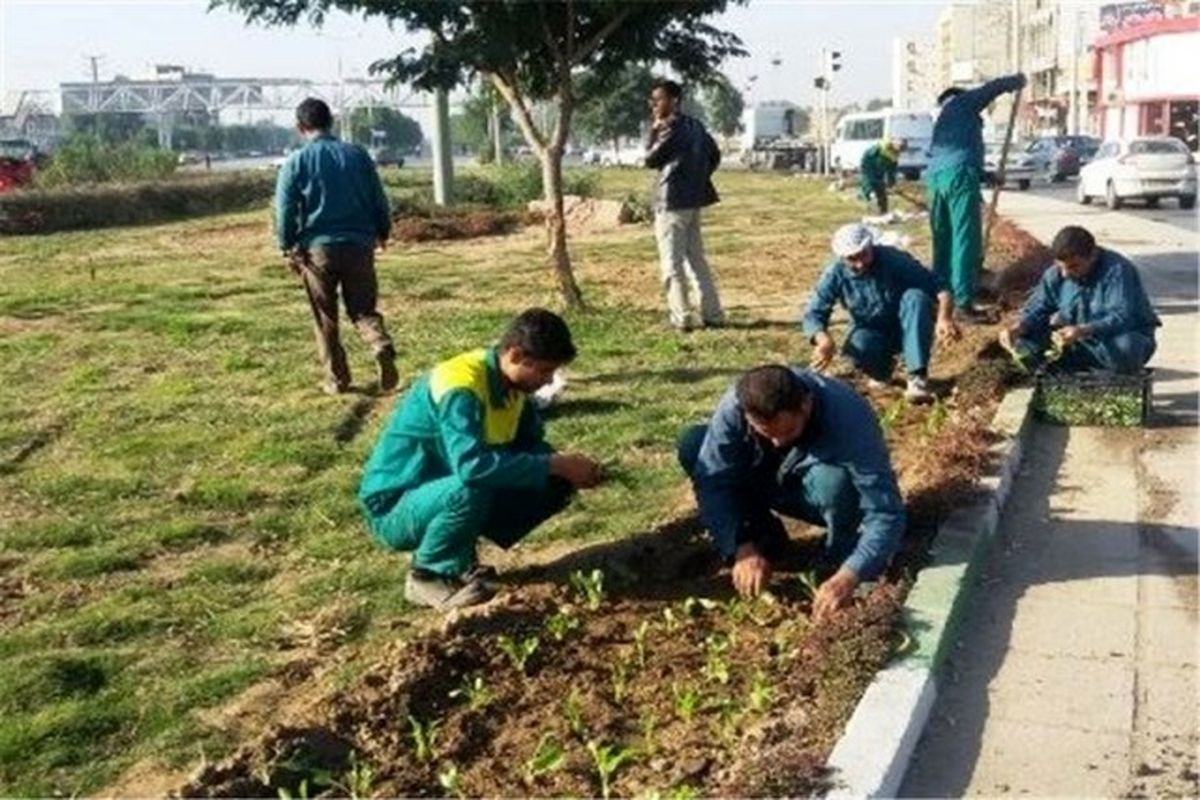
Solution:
(1076, 669)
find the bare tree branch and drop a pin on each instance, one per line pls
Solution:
(524, 118)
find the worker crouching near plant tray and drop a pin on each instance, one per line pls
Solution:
(877, 171)
(1088, 311)
(788, 441)
(465, 456)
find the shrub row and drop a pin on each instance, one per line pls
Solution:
(507, 186)
(85, 159)
(106, 205)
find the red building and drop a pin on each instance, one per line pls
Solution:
(1149, 82)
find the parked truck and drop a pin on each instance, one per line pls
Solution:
(771, 138)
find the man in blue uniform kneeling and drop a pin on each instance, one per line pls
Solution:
(1091, 306)
(786, 440)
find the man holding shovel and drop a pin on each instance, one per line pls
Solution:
(952, 179)
(330, 214)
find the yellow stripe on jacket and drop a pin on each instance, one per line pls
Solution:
(470, 371)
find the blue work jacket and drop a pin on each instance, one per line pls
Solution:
(872, 298)
(958, 132)
(842, 431)
(1111, 299)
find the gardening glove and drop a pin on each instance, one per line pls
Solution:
(750, 571)
(834, 594)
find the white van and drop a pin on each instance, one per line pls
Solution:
(857, 132)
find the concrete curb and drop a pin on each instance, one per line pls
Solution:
(871, 757)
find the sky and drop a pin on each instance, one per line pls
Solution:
(45, 42)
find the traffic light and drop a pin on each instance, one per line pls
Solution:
(835, 60)
(819, 83)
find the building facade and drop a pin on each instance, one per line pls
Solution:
(1148, 81)
(914, 82)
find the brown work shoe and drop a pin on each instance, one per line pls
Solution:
(388, 376)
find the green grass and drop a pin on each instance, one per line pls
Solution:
(175, 493)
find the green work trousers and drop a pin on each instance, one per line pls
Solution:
(957, 226)
(440, 521)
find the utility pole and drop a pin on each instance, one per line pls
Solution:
(497, 139)
(442, 167)
(95, 59)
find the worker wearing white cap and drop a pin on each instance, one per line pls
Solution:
(890, 298)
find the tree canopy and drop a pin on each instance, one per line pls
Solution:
(723, 104)
(400, 131)
(614, 108)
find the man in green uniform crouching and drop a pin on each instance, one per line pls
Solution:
(465, 456)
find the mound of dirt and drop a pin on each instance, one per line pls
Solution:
(469, 225)
(589, 213)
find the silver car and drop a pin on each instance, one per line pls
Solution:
(1019, 166)
(1145, 168)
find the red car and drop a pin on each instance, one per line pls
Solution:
(17, 158)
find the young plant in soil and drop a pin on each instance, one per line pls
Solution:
(474, 691)
(621, 671)
(518, 651)
(301, 792)
(761, 694)
(687, 701)
(895, 411)
(424, 736)
(608, 759)
(716, 668)
(809, 584)
(649, 726)
(451, 781)
(549, 757)
(670, 620)
(560, 624)
(358, 782)
(572, 710)
(937, 418)
(639, 642)
(589, 587)
(695, 606)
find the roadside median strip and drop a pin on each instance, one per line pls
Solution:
(871, 757)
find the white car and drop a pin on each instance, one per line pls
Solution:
(1144, 168)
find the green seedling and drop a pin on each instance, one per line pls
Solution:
(716, 667)
(451, 780)
(683, 792)
(424, 736)
(761, 693)
(687, 701)
(560, 624)
(809, 584)
(590, 587)
(518, 651)
(727, 720)
(621, 671)
(670, 620)
(893, 414)
(649, 725)
(572, 710)
(474, 691)
(549, 757)
(358, 782)
(694, 606)
(639, 642)
(301, 792)
(608, 759)
(939, 413)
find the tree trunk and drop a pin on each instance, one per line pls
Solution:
(556, 228)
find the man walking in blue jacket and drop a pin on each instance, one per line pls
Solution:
(952, 179)
(1091, 305)
(685, 157)
(786, 440)
(330, 214)
(890, 297)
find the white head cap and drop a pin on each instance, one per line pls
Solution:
(851, 239)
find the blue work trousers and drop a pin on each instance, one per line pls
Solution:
(873, 350)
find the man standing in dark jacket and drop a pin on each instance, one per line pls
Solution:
(330, 213)
(685, 157)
